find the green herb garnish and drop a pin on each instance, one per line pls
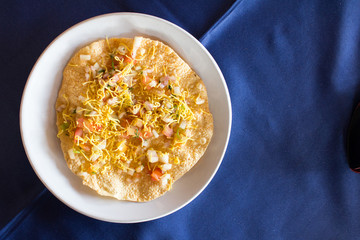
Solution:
(65, 126)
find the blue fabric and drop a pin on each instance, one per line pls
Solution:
(293, 72)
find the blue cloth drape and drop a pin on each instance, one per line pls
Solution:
(293, 72)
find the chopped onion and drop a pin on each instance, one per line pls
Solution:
(121, 115)
(152, 83)
(156, 135)
(71, 154)
(168, 131)
(96, 66)
(134, 109)
(79, 109)
(60, 108)
(102, 145)
(166, 119)
(136, 45)
(92, 113)
(142, 51)
(115, 78)
(137, 68)
(149, 70)
(130, 171)
(85, 57)
(130, 131)
(183, 125)
(164, 80)
(122, 49)
(87, 76)
(176, 90)
(83, 174)
(138, 122)
(148, 106)
(152, 156)
(112, 101)
(164, 158)
(145, 143)
(165, 167)
(188, 133)
(82, 98)
(139, 168)
(164, 179)
(94, 157)
(168, 105)
(127, 79)
(199, 101)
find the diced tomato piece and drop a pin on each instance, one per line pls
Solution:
(146, 134)
(168, 131)
(80, 122)
(156, 174)
(126, 59)
(125, 136)
(86, 147)
(78, 133)
(124, 122)
(92, 126)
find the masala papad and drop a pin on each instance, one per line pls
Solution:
(132, 117)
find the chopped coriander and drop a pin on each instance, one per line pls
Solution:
(101, 71)
(76, 151)
(65, 126)
(177, 133)
(74, 111)
(112, 61)
(169, 87)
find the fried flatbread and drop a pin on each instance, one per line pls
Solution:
(132, 117)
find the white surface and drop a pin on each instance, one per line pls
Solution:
(38, 128)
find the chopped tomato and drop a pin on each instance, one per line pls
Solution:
(78, 133)
(146, 134)
(122, 147)
(93, 126)
(126, 59)
(80, 122)
(156, 174)
(168, 131)
(86, 147)
(125, 136)
(124, 122)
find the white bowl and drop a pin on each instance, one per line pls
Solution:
(38, 129)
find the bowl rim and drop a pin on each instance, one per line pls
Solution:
(228, 99)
